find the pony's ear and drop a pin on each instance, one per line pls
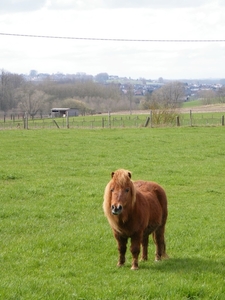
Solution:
(129, 174)
(112, 174)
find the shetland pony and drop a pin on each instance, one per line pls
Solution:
(136, 209)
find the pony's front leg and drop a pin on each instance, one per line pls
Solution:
(135, 250)
(122, 248)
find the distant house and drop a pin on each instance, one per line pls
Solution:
(138, 92)
(62, 112)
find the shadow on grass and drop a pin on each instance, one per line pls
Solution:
(187, 265)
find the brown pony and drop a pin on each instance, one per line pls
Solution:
(135, 210)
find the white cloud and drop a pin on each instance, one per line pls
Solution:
(110, 19)
(118, 4)
(10, 6)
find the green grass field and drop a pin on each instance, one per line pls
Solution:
(56, 242)
(193, 103)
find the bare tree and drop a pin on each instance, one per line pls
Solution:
(168, 96)
(208, 96)
(74, 103)
(130, 93)
(9, 83)
(164, 101)
(31, 99)
(221, 94)
(102, 77)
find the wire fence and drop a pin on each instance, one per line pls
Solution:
(150, 120)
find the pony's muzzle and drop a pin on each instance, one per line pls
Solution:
(116, 210)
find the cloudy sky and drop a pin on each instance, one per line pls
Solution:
(114, 19)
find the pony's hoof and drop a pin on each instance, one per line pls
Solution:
(134, 268)
(143, 259)
(120, 265)
(158, 257)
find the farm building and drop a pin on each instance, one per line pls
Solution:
(62, 112)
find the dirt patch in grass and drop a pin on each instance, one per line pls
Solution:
(205, 108)
(195, 109)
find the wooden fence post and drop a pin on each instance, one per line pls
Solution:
(109, 120)
(25, 120)
(56, 123)
(190, 118)
(151, 121)
(67, 119)
(178, 120)
(222, 120)
(147, 121)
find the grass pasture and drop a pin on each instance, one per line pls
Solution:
(55, 240)
(193, 103)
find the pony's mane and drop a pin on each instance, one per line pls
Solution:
(120, 178)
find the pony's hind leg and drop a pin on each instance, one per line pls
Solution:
(145, 247)
(159, 240)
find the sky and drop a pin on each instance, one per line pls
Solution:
(74, 26)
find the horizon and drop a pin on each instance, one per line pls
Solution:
(27, 74)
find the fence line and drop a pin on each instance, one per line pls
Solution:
(150, 120)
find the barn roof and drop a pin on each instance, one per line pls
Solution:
(60, 108)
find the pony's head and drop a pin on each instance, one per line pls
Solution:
(119, 193)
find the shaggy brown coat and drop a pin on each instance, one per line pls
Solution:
(136, 209)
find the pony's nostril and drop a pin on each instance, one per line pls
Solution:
(116, 210)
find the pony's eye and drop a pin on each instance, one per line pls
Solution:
(112, 190)
(127, 190)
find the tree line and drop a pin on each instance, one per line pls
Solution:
(18, 95)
